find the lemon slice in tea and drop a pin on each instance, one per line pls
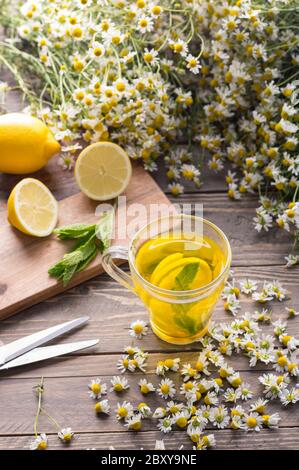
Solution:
(103, 171)
(32, 208)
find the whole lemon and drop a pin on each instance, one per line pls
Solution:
(26, 144)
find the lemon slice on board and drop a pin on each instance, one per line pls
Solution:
(103, 171)
(32, 208)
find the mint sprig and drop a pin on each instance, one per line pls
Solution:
(89, 241)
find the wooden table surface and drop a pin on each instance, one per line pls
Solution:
(111, 309)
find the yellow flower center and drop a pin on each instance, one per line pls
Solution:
(148, 57)
(98, 407)
(122, 412)
(118, 387)
(164, 389)
(282, 361)
(96, 388)
(182, 422)
(121, 87)
(136, 425)
(144, 389)
(67, 437)
(251, 422)
(42, 445)
(169, 363)
(192, 62)
(156, 10)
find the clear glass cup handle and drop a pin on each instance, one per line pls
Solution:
(117, 252)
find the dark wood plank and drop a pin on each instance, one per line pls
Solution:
(282, 439)
(109, 304)
(67, 398)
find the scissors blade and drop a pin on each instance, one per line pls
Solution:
(47, 352)
(21, 346)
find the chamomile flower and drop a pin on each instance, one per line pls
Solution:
(159, 412)
(232, 304)
(259, 406)
(102, 407)
(232, 395)
(193, 64)
(291, 260)
(206, 441)
(133, 423)
(235, 380)
(166, 388)
(245, 392)
(66, 435)
(248, 286)
(119, 384)
(172, 364)
(180, 419)
(97, 388)
(174, 408)
(144, 410)
(188, 372)
(252, 422)
(289, 396)
(66, 161)
(279, 327)
(292, 312)
(211, 399)
(39, 443)
(124, 410)
(138, 329)
(271, 421)
(146, 387)
(219, 417)
(165, 425)
(273, 385)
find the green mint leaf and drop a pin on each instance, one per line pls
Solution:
(186, 276)
(74, 231)
(104, 229)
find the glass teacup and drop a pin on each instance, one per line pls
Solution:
(178, 273)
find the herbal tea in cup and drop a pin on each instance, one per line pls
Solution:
(178, 273)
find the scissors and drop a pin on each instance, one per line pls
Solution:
(27, 351)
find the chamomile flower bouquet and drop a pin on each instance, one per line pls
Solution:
(220, 76)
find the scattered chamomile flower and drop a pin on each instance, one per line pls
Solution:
(123, 363)
(273, 385)
(289, 396)
(271, 421)
(180, 419)
(133, 423)
(211, 398)
(259, 406)
(248, 286)
(235, 380)
(174, 407)
(97, 389)
(146, 387)
(67, 161)
(66, 435)
(124, 410)
(252, 422)
(188, 372)
(291, 260)
(232, 304)
(245, 392)
(279, 327)
(39, 443)
(144, 410)
(292, 312)
(219, 417)
(166, 389)
(138, 329)
(232, 395)
(102, 407)
(159, 413)
(119, 384)
(263, 315)
(165, 425)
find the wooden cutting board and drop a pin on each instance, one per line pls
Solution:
(24, 279)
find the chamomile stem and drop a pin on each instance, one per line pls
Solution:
(40, 389)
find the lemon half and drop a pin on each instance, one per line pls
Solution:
(103, 171)
(32, 208)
